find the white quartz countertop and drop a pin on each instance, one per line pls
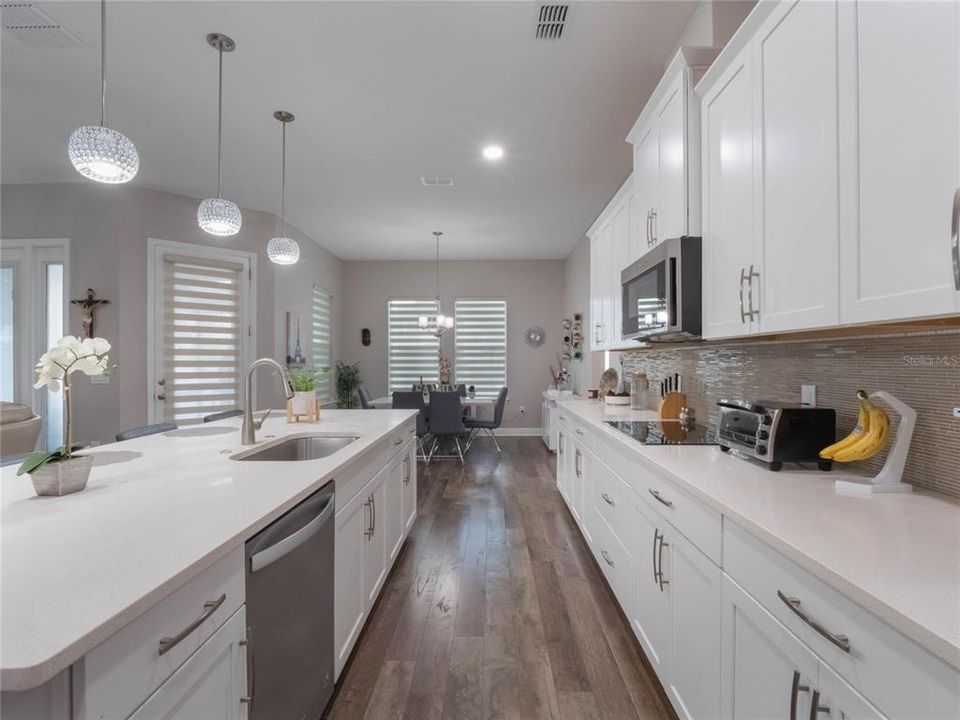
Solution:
(156, 512)
(897, 555)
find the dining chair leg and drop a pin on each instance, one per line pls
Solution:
(459, 451)
(423, 452)
(432, 450)
(493, 435)
(471, 434)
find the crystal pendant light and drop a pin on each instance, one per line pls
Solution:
(97, 151)
(437, 324)
(283, 250)
(216, 215)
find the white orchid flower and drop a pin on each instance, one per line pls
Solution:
(68, 355)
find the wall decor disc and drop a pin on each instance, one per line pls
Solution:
(535, 336)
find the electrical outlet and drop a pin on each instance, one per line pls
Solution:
(956, 412)
(522, 409)
(808, 395)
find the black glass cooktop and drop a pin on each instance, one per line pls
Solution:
(666, 432)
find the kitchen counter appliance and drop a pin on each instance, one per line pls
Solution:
(289, 576)
(775, 432)
(664, 432)
(661, 293)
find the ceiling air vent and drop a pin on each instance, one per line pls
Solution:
(32, 26)
(436, 180)
(551, 21)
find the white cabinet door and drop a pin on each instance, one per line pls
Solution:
(210, 684)
(796, 62)
(645, 189)
(579, 472)
(350, 604)
(766, 672)
(393, 516)
(599, 263)
(375, 549)
(622, 221)
(651, 615)
(606, 281)
(409, 501)
(670, 216)
(730, 245)
(900, 149)
(839, 701)
(695, 590)
(564, 449)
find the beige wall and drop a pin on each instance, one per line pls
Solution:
(534, 290)
(108, 227)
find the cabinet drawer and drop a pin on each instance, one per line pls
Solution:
(122, 671)
(699, 524)
(894, 673)
(358, 474)
(614, 560)
(579, 431)
(614, 500)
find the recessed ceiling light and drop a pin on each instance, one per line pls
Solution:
(493, 152)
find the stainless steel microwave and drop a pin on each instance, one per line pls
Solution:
(661, 292)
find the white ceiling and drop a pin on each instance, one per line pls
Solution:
(382, 93)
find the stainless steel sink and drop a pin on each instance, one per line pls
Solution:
(300, 448)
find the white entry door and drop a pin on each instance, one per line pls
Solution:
(201, 304)
(34, 294)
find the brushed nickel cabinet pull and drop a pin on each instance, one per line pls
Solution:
(660, 579)
(815, 707)
(841, 641)
(795, 689)
(373, 506)
(251, 670)
(955, 236)
(743, 313)
(576, 462)
(606, 557)
(653, 226)
(209, 608)
(607, 498)
(369, 531)
(656, 494)
(656, 536)
(578, 431)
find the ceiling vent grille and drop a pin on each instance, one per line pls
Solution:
(551, 21)
(34, 27)
(436, 180)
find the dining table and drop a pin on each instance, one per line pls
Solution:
(386, 402)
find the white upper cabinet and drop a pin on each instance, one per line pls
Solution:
(900, 133)
(610, 251)
(645, 190)
(730, 239)
(796, 77)
(670, 219)
(848, 114)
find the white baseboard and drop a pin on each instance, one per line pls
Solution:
(518, 432)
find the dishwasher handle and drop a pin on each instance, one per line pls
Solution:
(272, 553)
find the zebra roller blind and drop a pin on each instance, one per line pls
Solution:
(480, 327)
(322, 346)
(201, 337)
(413, 353)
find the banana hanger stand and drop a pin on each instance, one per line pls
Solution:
(890, 478)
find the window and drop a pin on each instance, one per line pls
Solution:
(322, 353)
(412, 352)
(201, 337)
(480, 327)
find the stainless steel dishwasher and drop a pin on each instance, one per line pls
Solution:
(290, 612)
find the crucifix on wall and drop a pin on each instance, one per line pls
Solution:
(88, 305)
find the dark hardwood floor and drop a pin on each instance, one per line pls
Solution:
(495, 608)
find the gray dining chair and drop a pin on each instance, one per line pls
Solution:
(223, 415)
(446, 420)
(409, 400)
(477, 425)
(366, 401)
(145, 430)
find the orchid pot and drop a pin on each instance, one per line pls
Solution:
(60, 471)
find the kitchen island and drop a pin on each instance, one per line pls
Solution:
(157, 513)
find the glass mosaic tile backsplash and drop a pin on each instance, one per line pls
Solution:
(922, 369)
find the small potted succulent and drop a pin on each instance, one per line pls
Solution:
(304, 383)
(60, 472)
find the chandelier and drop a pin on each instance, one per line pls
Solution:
(282, 249)
(436, 324)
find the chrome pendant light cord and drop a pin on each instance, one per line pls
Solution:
(219, 115)
(103, 63)
(283, 179)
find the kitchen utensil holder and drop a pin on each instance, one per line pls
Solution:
(890, 477)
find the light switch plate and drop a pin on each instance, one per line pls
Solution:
(808, 395)
(956, 412)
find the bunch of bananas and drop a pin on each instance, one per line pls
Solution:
(868, 438)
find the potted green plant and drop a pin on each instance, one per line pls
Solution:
(60, 472)
(304, 384)
(348, 380)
